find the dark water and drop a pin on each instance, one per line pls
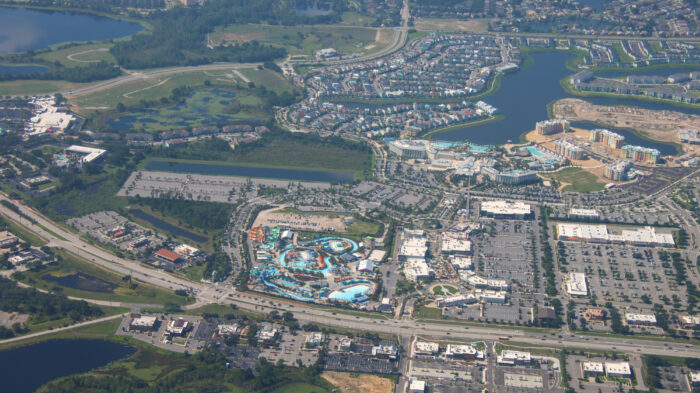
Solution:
(25, 369)
(160, 224)
(23, 29)
(22, 69)
(250, 171)
(523, 98)
(83, 282)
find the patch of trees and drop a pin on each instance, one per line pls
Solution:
(204, 215)
(88, 73)
(217, 262)
(180, 34)
(616, 320)
(43, 306)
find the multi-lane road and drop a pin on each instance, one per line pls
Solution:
(58, 236)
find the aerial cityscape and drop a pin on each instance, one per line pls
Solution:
(366, 196)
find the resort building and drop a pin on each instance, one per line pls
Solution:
(408, 148)
(606, 137)
(568, 150)
(548, 127)
(688, 135)
(618, 170)
(640, 154)
(455, 301)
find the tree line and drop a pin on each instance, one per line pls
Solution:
(88, 73)
(43, 306)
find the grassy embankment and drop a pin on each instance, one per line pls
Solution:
(95, 282)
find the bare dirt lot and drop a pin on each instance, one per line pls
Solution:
(9, 319)
(302, 222)
(359, 383)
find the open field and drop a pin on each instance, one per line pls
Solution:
(270, 79)
(352, 18)
(148, 89)
(35, 87)
(575, 180)
(304, 40)
(452, 25)
(74, 276)
(79, 55)
(358, 383)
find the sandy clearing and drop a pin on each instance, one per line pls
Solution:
(359, 383)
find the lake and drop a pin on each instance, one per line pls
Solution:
(523, 97)
(27, 368)
(23, 29)
(160, 224)
(251, 171)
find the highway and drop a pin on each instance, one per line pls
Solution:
(306, 313)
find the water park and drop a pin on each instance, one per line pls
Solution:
(322, 270)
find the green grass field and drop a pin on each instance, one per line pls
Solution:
(79, 55)
(352, 18)
(270, 79)
(577, 180)
(148, 89)
(304, 40)
(624, 57)
(71, 264)
(35, 87)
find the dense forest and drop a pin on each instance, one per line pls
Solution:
(42, 306)
(203, 215)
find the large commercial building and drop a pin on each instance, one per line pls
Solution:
(641, 154)
(455, 301)
(417, 270)
(576, 286)
(409, 148)
(584, 214)
(85, 154)
(511, 177)
(506, 209)
(592, 369)
(452, 246)
(547, 127)
(426, 348)
(568, 150)
(460, 351)
(592, 233)
(510, 358)
(618, 369)
(640, 319)
(618, 170)
(607, 137)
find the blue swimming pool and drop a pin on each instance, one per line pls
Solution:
(349, 294)
(534, 151)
